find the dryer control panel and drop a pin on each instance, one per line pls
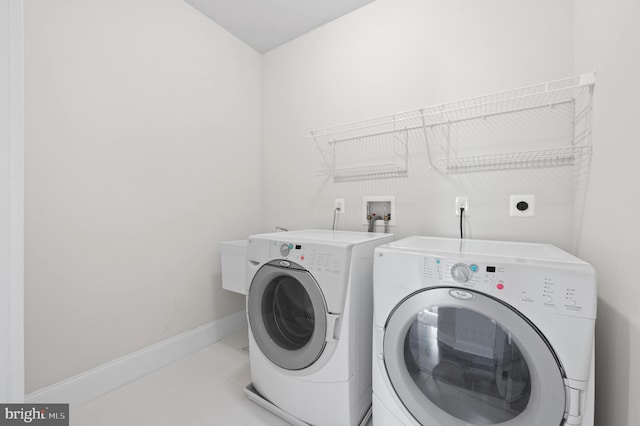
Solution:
(552, 288)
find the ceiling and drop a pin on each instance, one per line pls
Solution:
(267, 24)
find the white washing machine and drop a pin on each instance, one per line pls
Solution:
(474, 332)
(310, 309)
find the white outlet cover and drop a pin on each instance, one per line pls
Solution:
(516, 199)
(464, 200)
(339, 204)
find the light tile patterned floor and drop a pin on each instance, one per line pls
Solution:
(205, 388)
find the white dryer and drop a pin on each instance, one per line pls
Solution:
(472, 332)
(310, 309)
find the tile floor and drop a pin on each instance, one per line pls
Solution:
(205, 388)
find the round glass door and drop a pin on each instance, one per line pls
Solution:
(459, 357)
(287, 315)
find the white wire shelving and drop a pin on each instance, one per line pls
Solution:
(574, 92)
(377, 171)
(363, 156)
(515, 160)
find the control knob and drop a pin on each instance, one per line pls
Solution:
(284, 250)
(460, 272)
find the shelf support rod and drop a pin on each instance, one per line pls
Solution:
(426, 140)
(330, 165)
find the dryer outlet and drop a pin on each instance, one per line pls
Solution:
(522, 205)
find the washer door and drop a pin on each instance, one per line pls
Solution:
(287, 314)
(458, 357)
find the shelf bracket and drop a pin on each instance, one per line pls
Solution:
(426, 141)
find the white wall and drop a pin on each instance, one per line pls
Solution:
(397, 55)
(607, 36)
(142, 154)
(11, 202)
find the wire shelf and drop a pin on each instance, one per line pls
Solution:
(522, 99)
(369, 172)
(575, 92)
(516, 160)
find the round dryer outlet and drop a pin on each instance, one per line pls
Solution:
(522, 206)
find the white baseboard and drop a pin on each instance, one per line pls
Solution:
(107, 377)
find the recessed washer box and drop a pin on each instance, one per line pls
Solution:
(377, 204)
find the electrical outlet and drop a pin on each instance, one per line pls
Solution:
(460, 203)
(522, 205)
(339, 204)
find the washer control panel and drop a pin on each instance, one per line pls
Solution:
(315, 258)
(285, 249)
(522, 284)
